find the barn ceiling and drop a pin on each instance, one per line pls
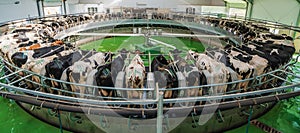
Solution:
(191, 2)
(232, 3)
(198, 2)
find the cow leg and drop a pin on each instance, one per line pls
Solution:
(200, 93)
(53, 83)
(110, 93)
(82, 91)
(193, 93)
(168, 94)
(73, 87)
(37, 80)
(129, 95)
(141, 97)
(29, 85)
(104, 92)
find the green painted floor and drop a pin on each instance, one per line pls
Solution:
(115, 43)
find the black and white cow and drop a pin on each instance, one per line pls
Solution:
(160, 67)
(57, 66)
(261, 61)
(193, 76)
(38, 66)
(238, 63)
(103, 77)
(217, 70)
(277, 55)
(20, 58)
(134, 77)
(106, 74)
(78, 72)
(118, 64)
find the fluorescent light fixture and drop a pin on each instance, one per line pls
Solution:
(10, 3)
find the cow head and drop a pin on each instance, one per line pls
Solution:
(192, 55)
(159, 63)
(176, 53)
(204, 62)
(19, 59)
(108, 56)
(54, 68)
(123, 52)
(103, 76)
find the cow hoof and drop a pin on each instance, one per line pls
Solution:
(116, 105)
(183, 104)
(150, 106)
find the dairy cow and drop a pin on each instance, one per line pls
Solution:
(193, 76)
(38, 66)
(237, 62)
(217, 71)
(78, 72)
(134, 77)
(164, 75)
(56, 67)
(106, 74)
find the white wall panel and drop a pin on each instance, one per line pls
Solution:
(156, 2)
(176, 5)
(11, 11)
(283, 11)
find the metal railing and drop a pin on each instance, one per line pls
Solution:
(14, 85)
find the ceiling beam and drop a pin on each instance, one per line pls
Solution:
(251, 1)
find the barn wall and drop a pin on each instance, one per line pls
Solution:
(283, 11)
(156, 3)
(10, 11)
(175, 5)
(75, 8)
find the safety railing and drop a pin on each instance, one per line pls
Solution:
(16, 82)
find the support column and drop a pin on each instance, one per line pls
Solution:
(43, 11)
(227, 7)
(249, 10)
(159, 121)
(297, 34)
(64, 9)
(40, 8)
(297, 23)
(246, 14)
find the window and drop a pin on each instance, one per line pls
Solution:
(190, 10)
(92, 10)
